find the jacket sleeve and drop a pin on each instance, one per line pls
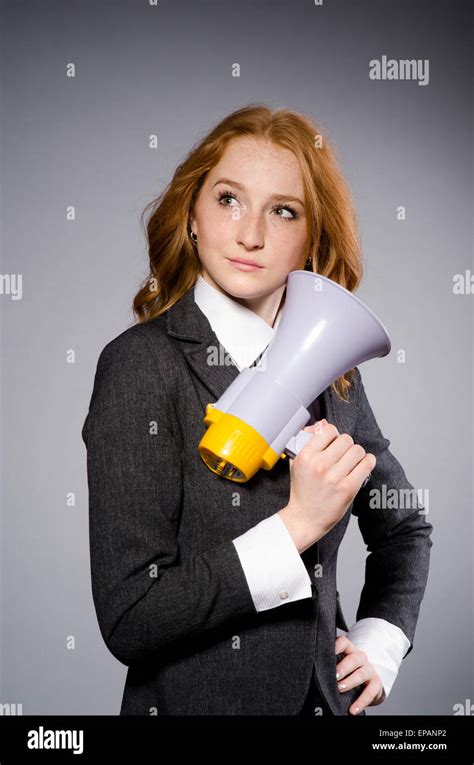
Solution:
(147, 596)
(393, 524)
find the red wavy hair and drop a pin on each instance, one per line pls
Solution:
(332, 227)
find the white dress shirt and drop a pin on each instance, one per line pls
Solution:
(270, 559)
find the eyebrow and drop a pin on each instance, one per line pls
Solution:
(278, 197)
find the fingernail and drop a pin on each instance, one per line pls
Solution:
(338, 675)
(341, 686)
(356, 711)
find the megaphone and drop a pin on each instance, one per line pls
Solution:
(324, 331)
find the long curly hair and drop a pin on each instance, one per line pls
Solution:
(332, 243)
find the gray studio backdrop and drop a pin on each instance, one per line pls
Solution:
(83, 141)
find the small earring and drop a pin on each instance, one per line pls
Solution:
(193, 236)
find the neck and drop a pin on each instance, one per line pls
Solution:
(266, 306)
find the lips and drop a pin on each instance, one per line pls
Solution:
(246, 262)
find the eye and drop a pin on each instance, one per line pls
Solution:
(293, 215)
(286, 208)
(222, 195)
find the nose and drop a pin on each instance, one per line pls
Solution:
(250, 232)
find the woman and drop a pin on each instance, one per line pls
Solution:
(220, 597)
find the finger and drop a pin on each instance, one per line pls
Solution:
(358, 475)
(380, 696)
(366, 697)
(359, 675)
(348, 461)
(349, 664)
(316, 427)
(337, 450)
(343, 644)
(323, 435)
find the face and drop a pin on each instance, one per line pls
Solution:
(256, 215)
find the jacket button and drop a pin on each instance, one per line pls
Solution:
(283, 594)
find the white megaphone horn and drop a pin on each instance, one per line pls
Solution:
(324, 331)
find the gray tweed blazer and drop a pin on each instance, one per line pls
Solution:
(170, 594)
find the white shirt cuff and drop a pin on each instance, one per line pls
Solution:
(385, 645)
(272, 564)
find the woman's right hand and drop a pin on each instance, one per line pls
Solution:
(325, 477)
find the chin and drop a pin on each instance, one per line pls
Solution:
(244, 285)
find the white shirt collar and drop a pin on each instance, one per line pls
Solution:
(243, 333)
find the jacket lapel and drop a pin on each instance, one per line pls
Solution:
(205, 354)
(188, 324)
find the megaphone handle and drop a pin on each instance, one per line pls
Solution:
(296, 443)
